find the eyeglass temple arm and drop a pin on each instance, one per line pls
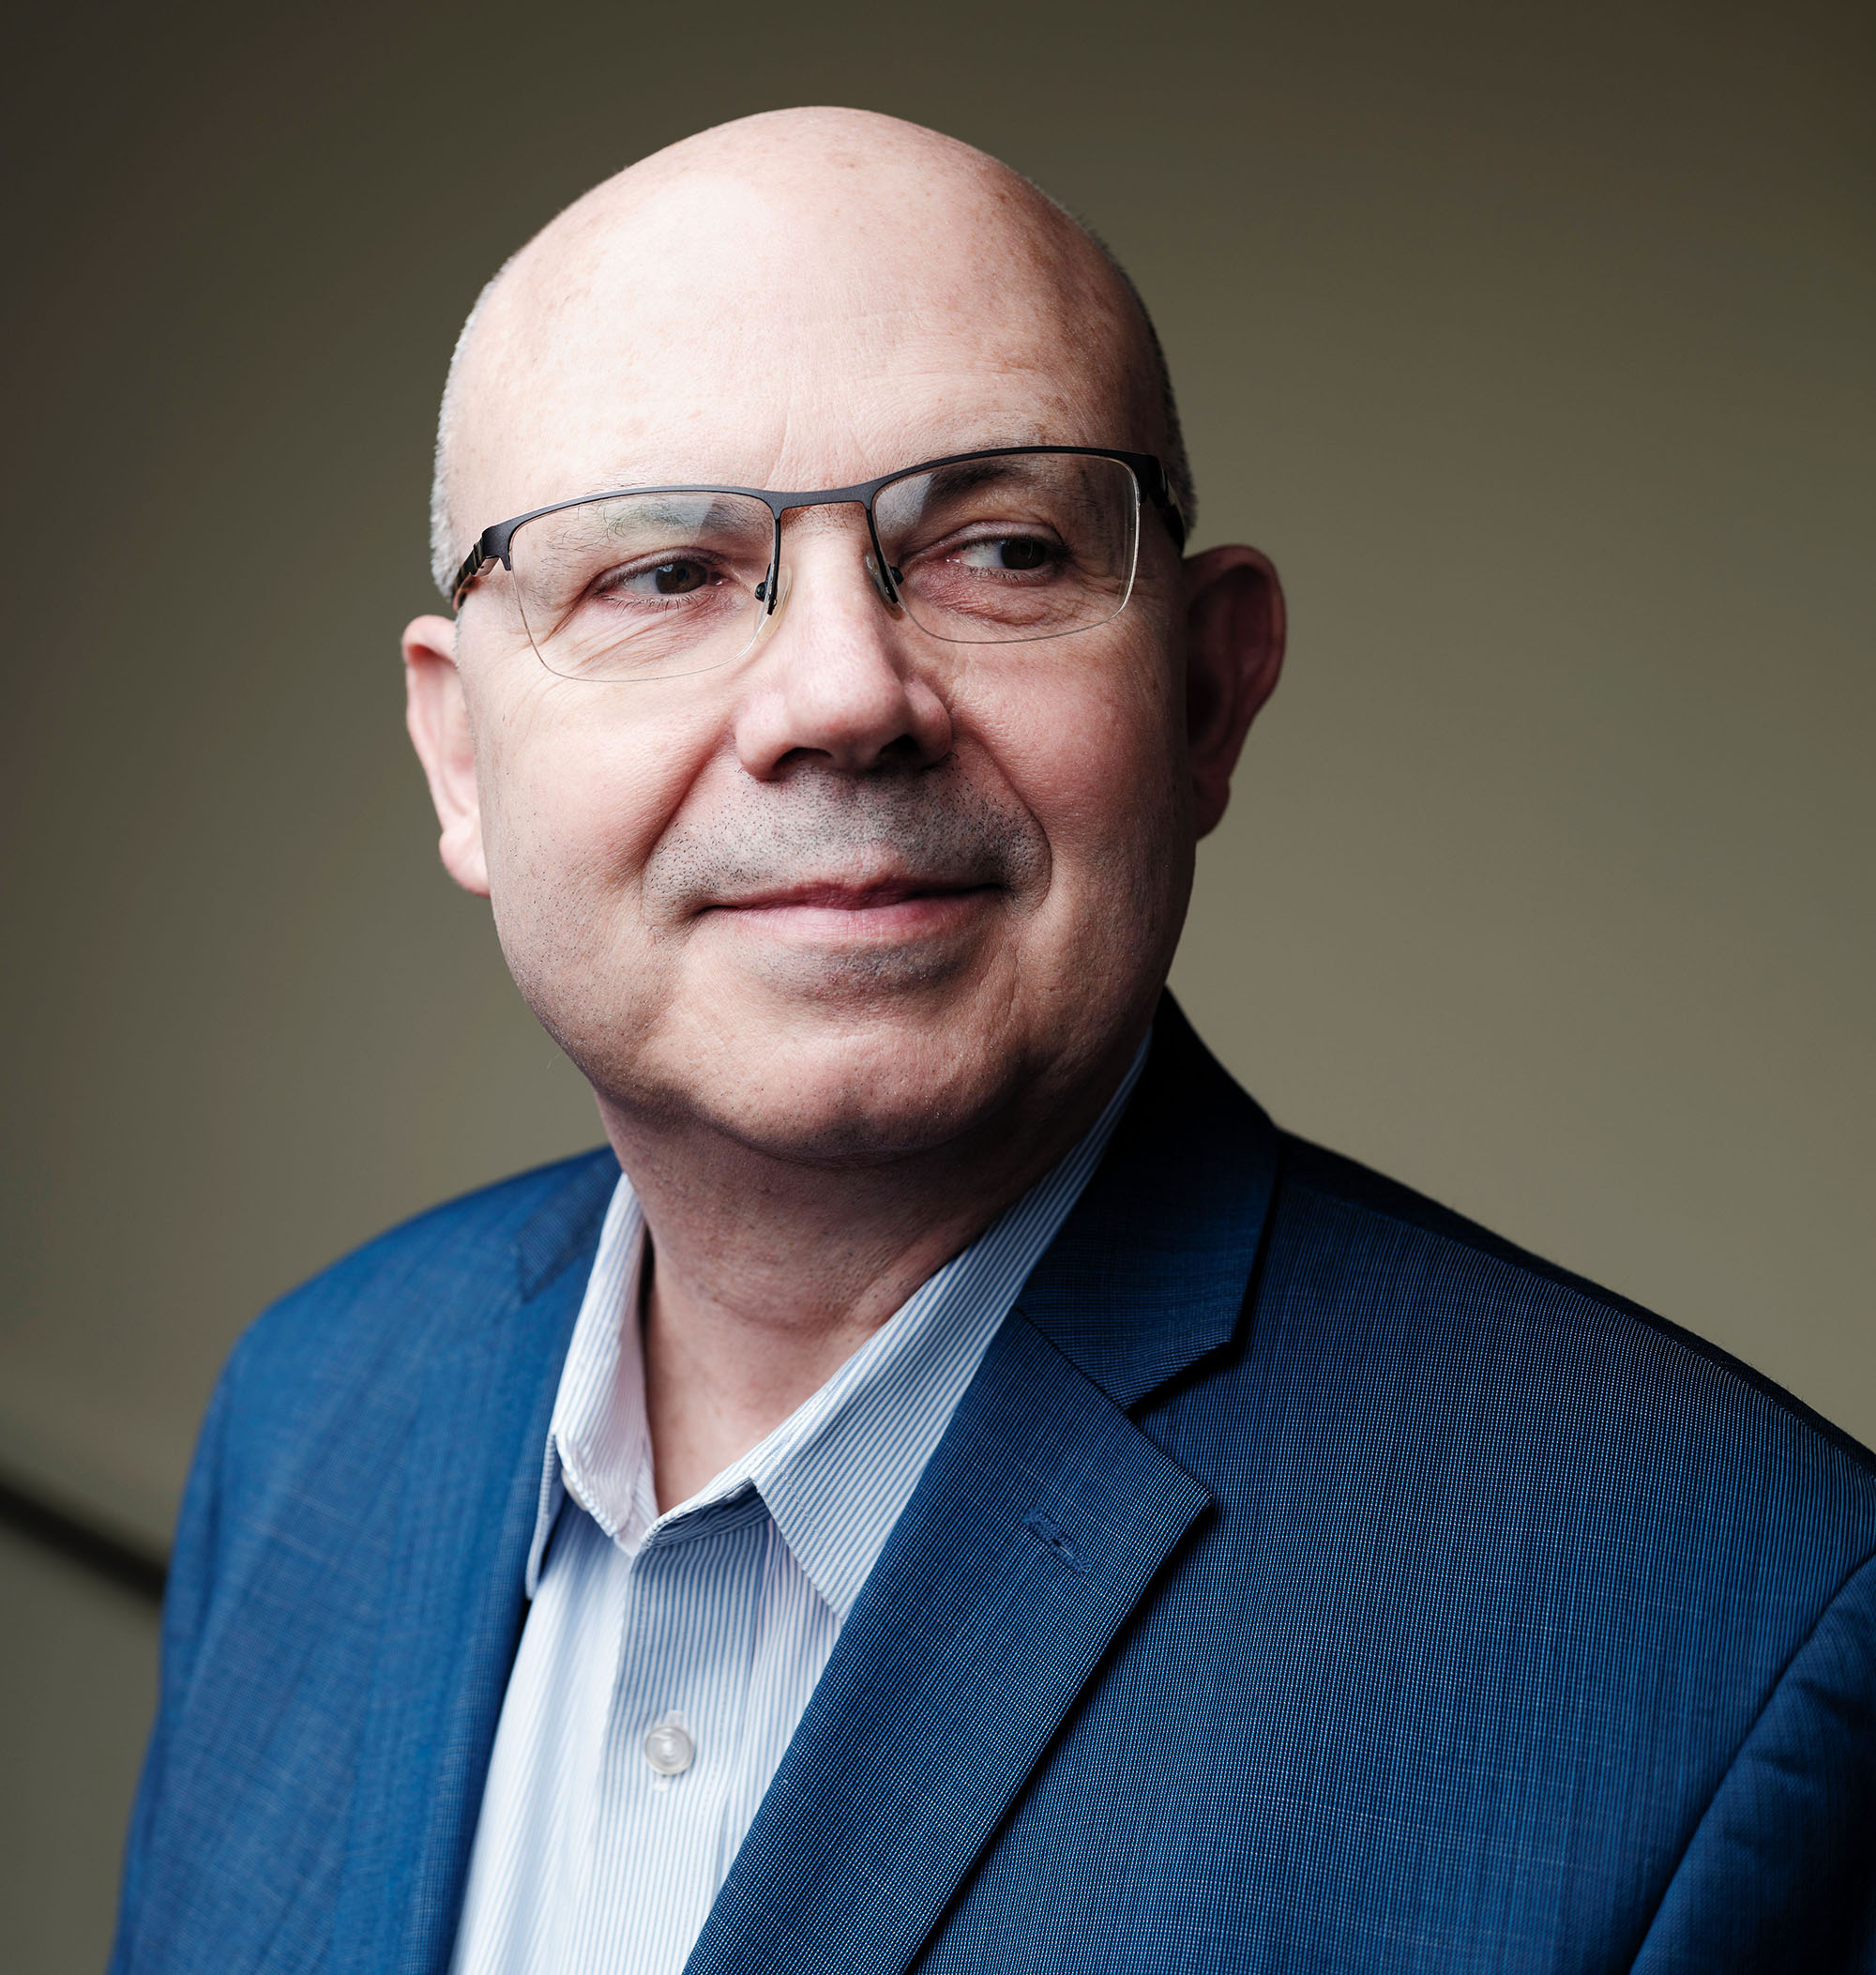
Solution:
(473, 566)
(1159, 491)
(492, 545)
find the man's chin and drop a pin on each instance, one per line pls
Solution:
(869, 1080)
(799, 967)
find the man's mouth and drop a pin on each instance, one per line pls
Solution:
(833, 894)
(884, 909)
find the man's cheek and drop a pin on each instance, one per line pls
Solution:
(1090, 793)
(571, 817)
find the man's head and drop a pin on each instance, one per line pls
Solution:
(862, 892)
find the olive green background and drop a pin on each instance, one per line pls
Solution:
(1533, 343)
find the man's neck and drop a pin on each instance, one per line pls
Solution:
(765, 1276)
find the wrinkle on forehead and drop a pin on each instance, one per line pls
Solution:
(772, 297)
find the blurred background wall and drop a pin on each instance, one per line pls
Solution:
(1533, 342)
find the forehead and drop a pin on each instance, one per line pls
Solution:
(791, 336)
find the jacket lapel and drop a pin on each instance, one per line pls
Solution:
(471, 1488)
(1033, 1531)
(1150, 1271)
(1037, 1529)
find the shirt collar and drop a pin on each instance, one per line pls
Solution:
(837, 1472)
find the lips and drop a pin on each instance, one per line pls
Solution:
(834, 895)
(835, 917)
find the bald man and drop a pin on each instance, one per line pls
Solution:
(950, 1483)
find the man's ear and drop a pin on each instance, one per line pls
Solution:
(1234, 653)
(438, 718)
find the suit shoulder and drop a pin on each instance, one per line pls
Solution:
(1313, 1174)
(458, 1252)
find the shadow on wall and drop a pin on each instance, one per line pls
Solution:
(78, 1685)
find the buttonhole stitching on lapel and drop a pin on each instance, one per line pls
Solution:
(1052, 1534)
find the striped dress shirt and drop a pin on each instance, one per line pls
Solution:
(667, 1659)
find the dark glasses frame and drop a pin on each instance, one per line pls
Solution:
(495, 544)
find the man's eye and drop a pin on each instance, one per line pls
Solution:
(663, 579)
(1006, 552)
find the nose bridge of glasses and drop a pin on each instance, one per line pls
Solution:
(817, 515)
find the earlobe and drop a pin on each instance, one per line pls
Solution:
(1234, 627)
(438, 716)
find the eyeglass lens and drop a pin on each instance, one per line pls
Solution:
(987, 551)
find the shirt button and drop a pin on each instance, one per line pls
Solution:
(668, 1746)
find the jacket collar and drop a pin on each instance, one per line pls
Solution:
(454, 1599)
(1149, 1272)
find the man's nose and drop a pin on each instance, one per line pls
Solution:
(836, 678)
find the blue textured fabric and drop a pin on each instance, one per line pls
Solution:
(1308, 1580)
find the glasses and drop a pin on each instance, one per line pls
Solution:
(982, 548)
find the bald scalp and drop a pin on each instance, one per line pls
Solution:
(644, 249)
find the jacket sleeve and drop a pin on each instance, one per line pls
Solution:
(1780, 1873)
(187, 1596)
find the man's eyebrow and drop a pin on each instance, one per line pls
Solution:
(645, 483)
(904, 461)
(967, 474)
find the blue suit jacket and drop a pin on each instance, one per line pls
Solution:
(1308, 1581)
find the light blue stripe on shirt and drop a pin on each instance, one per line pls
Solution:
(716, 1617)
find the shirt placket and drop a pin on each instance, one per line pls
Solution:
(673, 1735)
